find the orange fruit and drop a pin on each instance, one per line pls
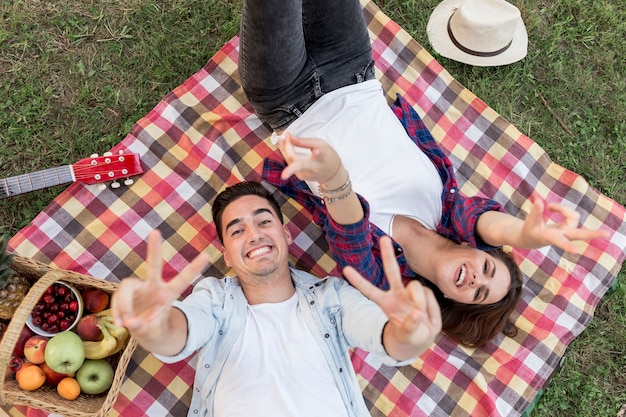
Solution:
(30, 377)
(68, 388)
(25, 364)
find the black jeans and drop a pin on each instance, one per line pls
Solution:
(294, 51)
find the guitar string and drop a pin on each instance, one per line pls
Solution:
(51, 176)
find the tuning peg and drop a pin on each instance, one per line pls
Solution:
(101, 187)
(115, 184)
(107, 154)
(129, 181)
(94, 155)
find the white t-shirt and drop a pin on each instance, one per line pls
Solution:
(385, 165)
(285, 373)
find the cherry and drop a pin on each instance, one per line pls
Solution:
(61, 290)
(15, 364)
(56, 309)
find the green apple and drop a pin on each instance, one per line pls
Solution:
(65, 352)
(95, 376)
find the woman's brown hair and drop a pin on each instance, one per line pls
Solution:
(474, 325)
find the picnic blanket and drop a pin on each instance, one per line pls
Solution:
(204, 136)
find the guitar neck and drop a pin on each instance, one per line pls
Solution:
(36, 181)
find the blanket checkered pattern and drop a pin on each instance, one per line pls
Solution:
(204, 136)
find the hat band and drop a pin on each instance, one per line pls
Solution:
(471, 51)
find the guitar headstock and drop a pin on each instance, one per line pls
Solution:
(108, 167)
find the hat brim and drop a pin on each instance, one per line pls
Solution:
(437, 30)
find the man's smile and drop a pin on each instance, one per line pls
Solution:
(258, 252)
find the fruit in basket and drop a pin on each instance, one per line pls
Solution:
(30, 377)
(88, 328)
(13, 287)
(114, 338)
(25, 334)
(68, 388)
(34, 349)
(65, 352)
(53, 377)
(101, 349)
(15, 363)
(58, 309)
(95, 376)
(94, 299)
(121, 335)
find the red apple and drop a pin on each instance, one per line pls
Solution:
(25, 334)
(94, 299)
(34, 349)
(53, 377)
(87, 328)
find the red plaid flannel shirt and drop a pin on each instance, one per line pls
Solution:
(358, 244)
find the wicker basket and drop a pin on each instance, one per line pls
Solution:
(46, 398)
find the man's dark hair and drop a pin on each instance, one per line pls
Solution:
(236, 191)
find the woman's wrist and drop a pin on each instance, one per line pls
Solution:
(335, 172)
(336, 188)
(334, 183)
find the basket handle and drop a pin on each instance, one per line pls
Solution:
(18, 321)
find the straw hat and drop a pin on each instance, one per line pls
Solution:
(478, 32)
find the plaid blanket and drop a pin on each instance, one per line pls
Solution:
(204, 136)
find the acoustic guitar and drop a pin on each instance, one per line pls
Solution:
(93, 170)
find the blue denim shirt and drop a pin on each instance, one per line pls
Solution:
(338, 316)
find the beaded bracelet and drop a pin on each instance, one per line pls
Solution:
(331, 200)
(337, 190)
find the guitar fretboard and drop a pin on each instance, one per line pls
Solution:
(35, 181)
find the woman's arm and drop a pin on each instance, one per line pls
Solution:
(347, 228)
(323, 165)
(497, 228)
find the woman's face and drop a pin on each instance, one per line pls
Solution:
(471, 276)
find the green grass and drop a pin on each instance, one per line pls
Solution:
(75, 76)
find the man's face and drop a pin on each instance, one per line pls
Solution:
(256, 243)
(472, 276)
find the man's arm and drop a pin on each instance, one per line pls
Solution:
(144, 307)
(413, 312)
